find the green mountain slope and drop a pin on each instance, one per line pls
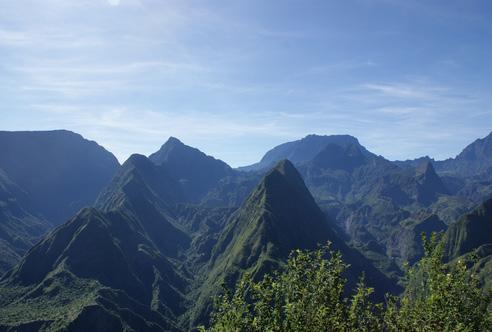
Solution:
(95, 262)
(279, 216)
(165, 233)
(114, 258)
(128, 263)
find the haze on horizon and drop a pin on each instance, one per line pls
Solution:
(236, 78)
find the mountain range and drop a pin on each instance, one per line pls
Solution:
(87, 244)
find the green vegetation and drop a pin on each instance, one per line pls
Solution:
(439, 297)
(309, 294)
(162, 239)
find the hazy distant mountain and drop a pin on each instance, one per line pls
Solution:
(195, 172)
(474, 160)
(301, 150)
(467, 175)
(59, 170)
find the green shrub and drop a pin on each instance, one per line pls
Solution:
(309, 294)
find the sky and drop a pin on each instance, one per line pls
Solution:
(236, 78)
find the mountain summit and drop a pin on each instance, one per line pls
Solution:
(196, 172)
(301, 150)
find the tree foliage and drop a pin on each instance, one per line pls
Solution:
(310, 294)
(439, 297)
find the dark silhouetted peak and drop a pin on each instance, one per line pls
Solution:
(138, 160)
(174, 140)
(430, 184)
(197, 172)
(172, 145)
(425, 169)
(288, 172)
(284, 182)
(174, 149)
(285, 167)
(427, 177)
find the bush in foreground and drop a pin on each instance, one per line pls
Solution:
(309, 295)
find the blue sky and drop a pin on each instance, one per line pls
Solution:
(235, 78)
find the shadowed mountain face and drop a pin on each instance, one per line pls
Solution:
(472, 236)
(19, 230)
(430, 184)
(45, 177)
(195, 172)
(59, 171)
(471, 231)
(405, 243)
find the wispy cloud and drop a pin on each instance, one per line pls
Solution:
(234, 80)
(405, 90)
